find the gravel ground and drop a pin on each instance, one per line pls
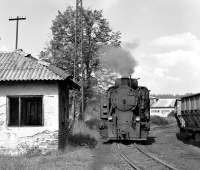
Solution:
(105, 158)
(167, 147)
(163, 144)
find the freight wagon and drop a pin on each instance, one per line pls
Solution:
(188, 117)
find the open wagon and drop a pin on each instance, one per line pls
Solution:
(188, 117)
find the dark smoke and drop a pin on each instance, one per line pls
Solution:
(119, 60)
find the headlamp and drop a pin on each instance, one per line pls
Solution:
(110, 118)
(137, 118)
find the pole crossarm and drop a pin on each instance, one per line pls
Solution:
(17, 18)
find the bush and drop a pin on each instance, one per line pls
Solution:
(93, 123)
(157, 120)
(29, 151)
(171, 114)
(82, 135)
(82, 140)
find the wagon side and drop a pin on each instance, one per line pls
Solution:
(189, 118)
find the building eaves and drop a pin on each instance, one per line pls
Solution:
(16, 66)
(190, 95)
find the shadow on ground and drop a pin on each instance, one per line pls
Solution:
(150, 140)
(82, 140)
(188, 141)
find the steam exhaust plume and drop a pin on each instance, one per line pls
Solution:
(119, 60)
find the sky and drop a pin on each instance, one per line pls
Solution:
(167, 33)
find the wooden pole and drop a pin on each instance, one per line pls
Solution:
(17, 19)
(79, 49)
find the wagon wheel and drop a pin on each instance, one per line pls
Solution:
(197, 137)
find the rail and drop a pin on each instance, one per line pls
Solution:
(148, 157)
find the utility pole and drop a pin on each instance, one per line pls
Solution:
(79, 48)
(17, 19)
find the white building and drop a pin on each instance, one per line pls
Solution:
(33, 97)
(162, 107)
(153, 100)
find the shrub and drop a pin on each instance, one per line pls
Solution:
(82, 140)
(171, 114)
(82, 135)
(33, 151)
(29, 151)
(157, 120)
(93, 123)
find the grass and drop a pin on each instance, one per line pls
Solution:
(157, 120)
(76, 159)
(9, 163)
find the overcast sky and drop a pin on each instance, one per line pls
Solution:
(167, 31)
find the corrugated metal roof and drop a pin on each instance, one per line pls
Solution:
(164, 103)
(190, 95)
(16, 66)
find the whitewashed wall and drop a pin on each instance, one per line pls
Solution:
(162, 112)
(11, 135)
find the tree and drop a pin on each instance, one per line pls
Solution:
(106, 78)
(96, 33)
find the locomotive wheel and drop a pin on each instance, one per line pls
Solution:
(197, 137)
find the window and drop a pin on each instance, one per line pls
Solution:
(165, 111)
(155, 111)
(25, 111)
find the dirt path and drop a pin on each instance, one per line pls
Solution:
(167, 147)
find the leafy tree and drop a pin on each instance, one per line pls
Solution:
(106, 78)
(96, 33)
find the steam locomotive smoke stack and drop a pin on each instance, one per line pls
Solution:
(119, 60)
(125, 76)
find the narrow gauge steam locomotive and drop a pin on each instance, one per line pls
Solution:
(125, 111)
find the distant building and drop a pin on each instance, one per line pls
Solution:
(153, 100)
(34, 95)
(162, 107)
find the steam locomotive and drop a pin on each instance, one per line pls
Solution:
(125, 111)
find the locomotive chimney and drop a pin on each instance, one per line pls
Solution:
(127, 81)
(125, 75)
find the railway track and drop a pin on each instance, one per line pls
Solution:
(138, 159)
